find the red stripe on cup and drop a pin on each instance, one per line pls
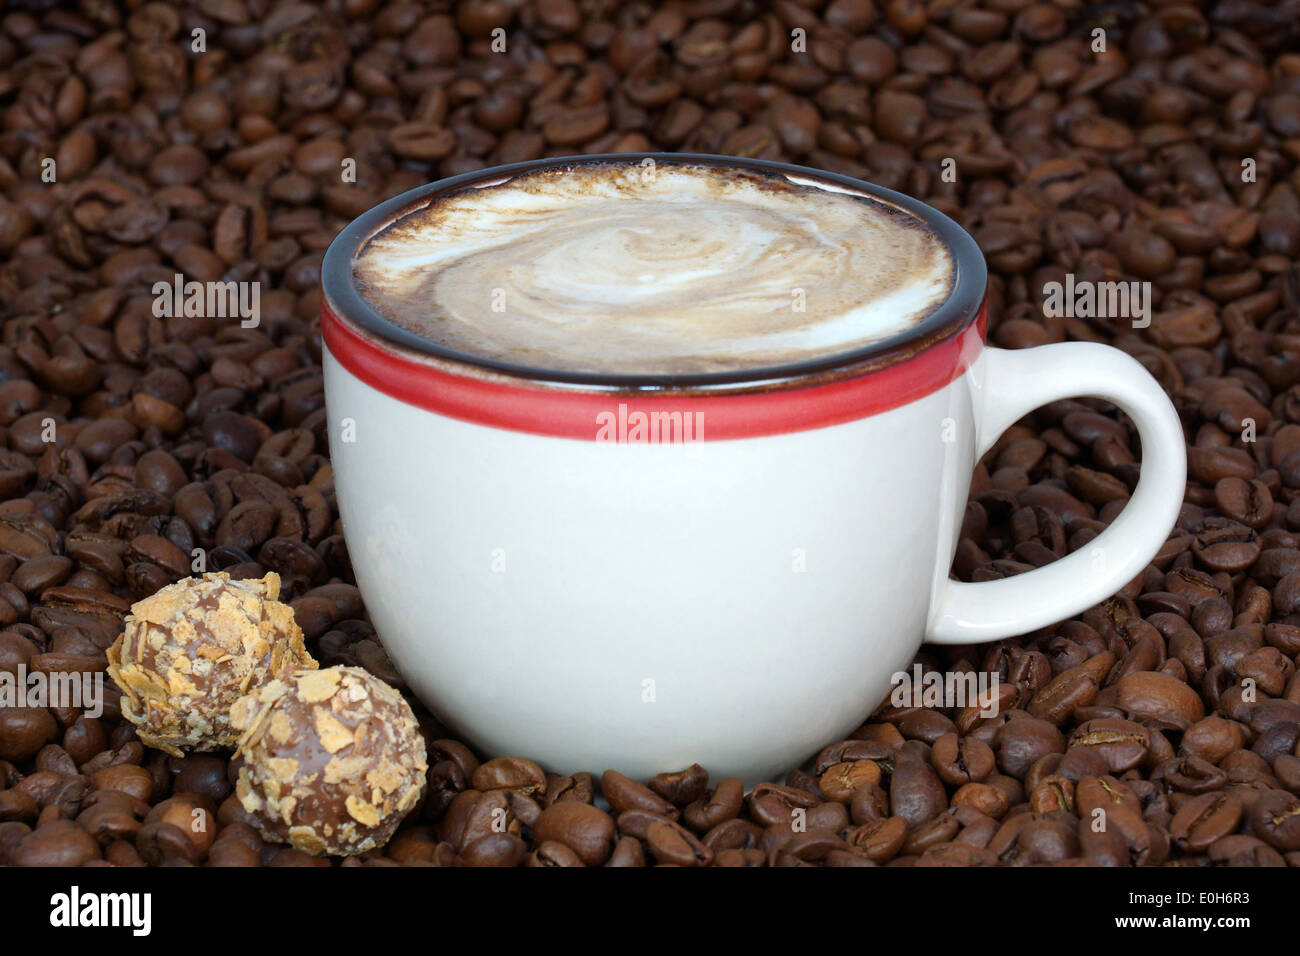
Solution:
(589, 415)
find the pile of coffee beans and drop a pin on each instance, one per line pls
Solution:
(230, 139)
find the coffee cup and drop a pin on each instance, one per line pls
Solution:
(718, 560)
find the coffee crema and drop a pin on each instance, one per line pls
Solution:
(676, 269)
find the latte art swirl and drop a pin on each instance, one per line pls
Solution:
(693, 269)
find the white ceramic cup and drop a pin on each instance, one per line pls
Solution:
(552, 587)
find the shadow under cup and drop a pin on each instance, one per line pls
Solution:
(556, 580)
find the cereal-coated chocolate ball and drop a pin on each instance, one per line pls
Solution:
(190, 651)
(333, 760)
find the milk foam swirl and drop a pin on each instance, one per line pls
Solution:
(610, 269)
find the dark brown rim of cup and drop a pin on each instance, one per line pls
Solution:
(957, 311)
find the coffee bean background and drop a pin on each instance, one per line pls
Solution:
(1174, 707)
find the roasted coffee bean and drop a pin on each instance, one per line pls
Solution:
(1153, 694)
(18, 805)
(1045, 839)
(232, 853)
(45, 571)
(24, 730)
(722, 803)
(627, 853)
(1051, 794)
(1121, 744)
(1286, 768)
(203, 775)
(771, 804)
(491, 812)
(191, 816)
(1058, 699)
(1213, 738)
(961, 760)
(57, 843)
(1191, 774)
(1275, 818)
(580, 788)
(683, 787)
(1205, 819)
(924, 724)
(131, 779)
(288, 856)
(495, 849)
(1248, 502)
(586, 830)
(869, 803)
(987, 798)
(15, 651)
(1021, 742)
(1243, 850)
(554, 854)
(916, 792)
(670, 842)
(879, 840)
(854, 750)
(733, 834)
(510, 773)
(624, 794)
(840, 781)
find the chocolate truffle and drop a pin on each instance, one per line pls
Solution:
(190, 651)
(333, 760)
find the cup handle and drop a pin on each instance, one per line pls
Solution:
(1010, 384)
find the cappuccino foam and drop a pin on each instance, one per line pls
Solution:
(677, 269)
